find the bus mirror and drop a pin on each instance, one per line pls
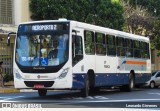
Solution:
(8, 41)
(74, 31)
(8, 37)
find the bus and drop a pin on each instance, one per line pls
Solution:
(70, 55)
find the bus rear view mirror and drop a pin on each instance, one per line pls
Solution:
(8, 38)
(8, 41)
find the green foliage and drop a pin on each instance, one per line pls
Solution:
(153, 6)
(144, 19)
(8, 77)
(155, 37)
(158, 53)
(107, 13)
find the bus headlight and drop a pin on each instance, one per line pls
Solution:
(64, 73)
(18, 76)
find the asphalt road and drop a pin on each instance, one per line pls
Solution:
(139, 98)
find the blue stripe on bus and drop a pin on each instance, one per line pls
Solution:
(78, 81)
(142, 78)
(109, 79)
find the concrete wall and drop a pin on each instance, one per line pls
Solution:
(21, 11)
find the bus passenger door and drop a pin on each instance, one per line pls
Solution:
(77, 61)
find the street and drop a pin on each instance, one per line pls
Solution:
(142, 97)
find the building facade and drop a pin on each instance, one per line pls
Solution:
(12, 12)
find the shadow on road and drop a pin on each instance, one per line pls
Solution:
(63, 95)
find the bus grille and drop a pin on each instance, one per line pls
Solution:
(45, 83)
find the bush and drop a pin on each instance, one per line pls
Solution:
(8, 77)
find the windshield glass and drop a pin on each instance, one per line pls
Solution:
(42, 45)
(154, 73)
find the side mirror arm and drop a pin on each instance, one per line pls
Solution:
(8, 37)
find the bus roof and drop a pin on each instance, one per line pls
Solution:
(95, 28)
(111, 31)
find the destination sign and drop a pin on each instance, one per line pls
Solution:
(42, 27)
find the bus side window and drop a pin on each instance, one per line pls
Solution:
(148, 53)
(129, 49)
(137, 49)
(121, 50)
(100, 44)
(111, 45)
(145, 50)
(89, 42)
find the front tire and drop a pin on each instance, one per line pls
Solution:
(42, 92)
(152, 84)
(85, 90)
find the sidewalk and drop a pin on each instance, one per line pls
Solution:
(9, 89)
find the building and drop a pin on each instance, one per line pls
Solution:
(12, 12)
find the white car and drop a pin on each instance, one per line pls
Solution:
(155, 80)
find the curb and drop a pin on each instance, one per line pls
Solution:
(28, 90)
(13, 90)
(8, 90)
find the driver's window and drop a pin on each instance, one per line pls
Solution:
(77, 49)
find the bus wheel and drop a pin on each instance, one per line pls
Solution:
(85, 91)
(42, 92)
(130, 85)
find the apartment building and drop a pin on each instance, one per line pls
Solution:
(12, 12)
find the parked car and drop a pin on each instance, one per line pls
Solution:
(155, 80)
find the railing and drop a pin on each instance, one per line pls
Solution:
(6, 55)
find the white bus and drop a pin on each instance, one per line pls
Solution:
(66, 54)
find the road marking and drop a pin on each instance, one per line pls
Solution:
(125, 100)
(10, 98)
(88, 97)
(2, 97)
(155, 93)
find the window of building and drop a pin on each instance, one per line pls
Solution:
(6, 11)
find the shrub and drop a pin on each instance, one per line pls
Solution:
(8, 77)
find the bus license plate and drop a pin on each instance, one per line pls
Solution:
(38, 86)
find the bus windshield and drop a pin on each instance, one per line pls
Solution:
(42, 45)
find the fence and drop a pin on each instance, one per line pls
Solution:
(6, 55)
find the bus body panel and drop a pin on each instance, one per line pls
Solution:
(112, 70)
(53, 78)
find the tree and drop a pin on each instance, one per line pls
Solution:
(107, 13)
(143, 18)
(138, 19)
